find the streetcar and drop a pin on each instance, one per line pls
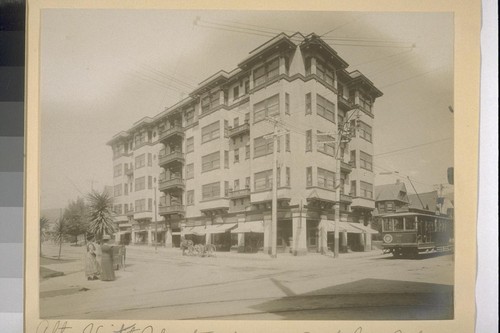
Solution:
(410, 233)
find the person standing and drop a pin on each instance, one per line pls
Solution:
(107, 270)
(91, 263)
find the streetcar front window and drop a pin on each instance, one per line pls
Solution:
(387, 225)
(398, 225)
(409, 224)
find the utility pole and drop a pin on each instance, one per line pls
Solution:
(156, 220)
(342, 137)
(274, 203)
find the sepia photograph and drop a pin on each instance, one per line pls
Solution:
(246, 165)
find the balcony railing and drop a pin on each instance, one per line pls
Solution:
(345, 198)
(344, 166)
(167, 158)
(239, 193)
(169, 184)
(174, 130)
(172, 209)
(239, 129)
(347, 103)
(129, 171)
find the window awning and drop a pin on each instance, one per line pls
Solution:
(343, 227)
(364, 228)
(209, 229)
(254, 226)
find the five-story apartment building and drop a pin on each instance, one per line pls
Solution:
(208, 161)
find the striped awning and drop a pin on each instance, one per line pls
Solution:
(254, 226)
(364, 228)
(209, 229)
(343, 227)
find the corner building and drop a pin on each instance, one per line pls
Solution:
(208, 161)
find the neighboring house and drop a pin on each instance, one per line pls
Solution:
(390, 198)
(431, 202)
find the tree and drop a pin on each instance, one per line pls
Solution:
(59, 233)
(100, 208)
(44, 224)
(76, 217)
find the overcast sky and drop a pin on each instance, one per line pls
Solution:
(102, 70)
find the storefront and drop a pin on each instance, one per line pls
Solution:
(249, 236)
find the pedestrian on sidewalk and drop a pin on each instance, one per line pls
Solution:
(91, 264)
(107, 270)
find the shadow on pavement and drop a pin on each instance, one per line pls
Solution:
(367, 299)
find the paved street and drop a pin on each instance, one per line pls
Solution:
(167, 285)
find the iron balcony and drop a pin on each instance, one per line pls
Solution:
(175, 156)
(239, 129)
(170, 132)
(171, 184)
(172, 209)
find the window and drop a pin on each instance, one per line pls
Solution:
(309, 140)
(190, 145)
(118, 209)
(140, 139)
(150, 204)
(352, 160)
(308, 103)
(125, 189)
(150, 182)
(308, 66)
(236, 155)
(287, 103)
(389, 206)
(226, 129)
(236, 92)
(324, 72)
(190, 171)
(287, 176)
(210, 132)
(263, 180)
(365, 161)
(117, 190)
(247, 117)
(236, 122)
(366, 190)
(326, 143)
(117, 170)
(150, 159)
(247, 182)
(352, 193)
(236, 184)
(226, 159)
(267, 108)
(266, 72)
(326, 179)
(247, 87)
(226, 188)
(190, 197)
(365, 131)
(210, 191)
(365, 103)
(262, 147)
(189, 116)
(210, 101)
(309, 176)
(247, 152)
(140, 161)
(325, 108)
(140, 183)
(140, 205)
(210, 162)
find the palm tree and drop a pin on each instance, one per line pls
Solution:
(100, 210)
(59, 233)
(44, 223)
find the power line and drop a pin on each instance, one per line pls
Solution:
(415, 146)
